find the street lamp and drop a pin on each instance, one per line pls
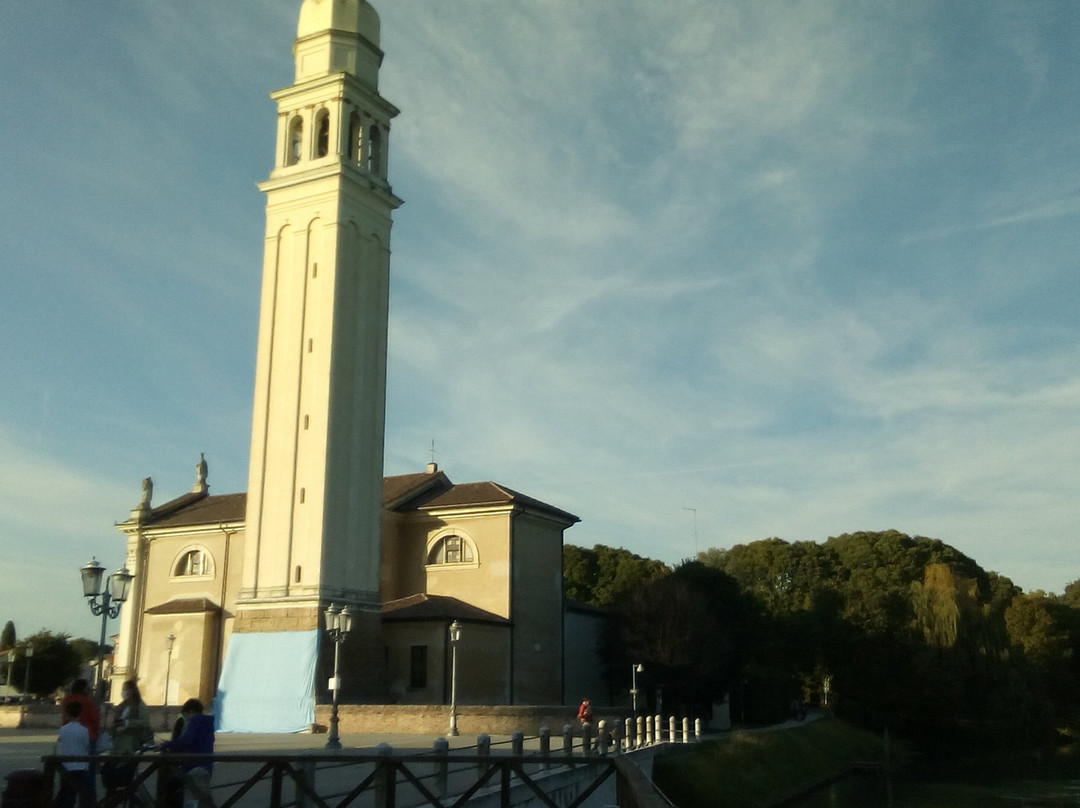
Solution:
(169, 640)
(635, 669)
(338, 625)
(112, 598)
(455, 637)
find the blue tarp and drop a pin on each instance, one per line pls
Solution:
(268, 682)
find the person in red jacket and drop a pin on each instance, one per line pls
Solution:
(88, 716)
(584, 712)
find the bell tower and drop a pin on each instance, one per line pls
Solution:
(315, 476)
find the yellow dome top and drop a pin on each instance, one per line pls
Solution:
(355, 16)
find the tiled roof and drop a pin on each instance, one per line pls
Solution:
(489, 493)
(423, 491)
(403, 491)
(437, 607)
(199, 509)
(185, 606)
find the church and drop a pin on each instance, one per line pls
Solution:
(230, 591)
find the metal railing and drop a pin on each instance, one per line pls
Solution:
(341, 779)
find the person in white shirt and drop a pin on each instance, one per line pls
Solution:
(75, 781)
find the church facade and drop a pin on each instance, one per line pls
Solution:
(479, 553)
(230, 591)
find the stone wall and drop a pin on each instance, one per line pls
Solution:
(420, 719)
(434, 719)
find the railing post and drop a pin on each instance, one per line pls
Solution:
(601, 737)
(385, 779)
(275, 787)
(568, 743)
(697, 729)
(307, 778)
(650, 729)
(658, 728)
(686, 729)
(639, 737)
(48, 784)
(483, 749)
(517, 742)
(629, 734)
(166, 770)
(671, 728)
(545, 746)
(586, 738)
(441, 748)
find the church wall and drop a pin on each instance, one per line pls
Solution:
(484, 675)
(200, 636)
(400, 638)
(537, 610)
(583, 632)
(401, 564)
(484, 582)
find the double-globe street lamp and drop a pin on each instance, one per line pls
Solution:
(338, 625)
(106, 602)
(455, 637)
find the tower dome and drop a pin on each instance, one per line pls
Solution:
(353, 16)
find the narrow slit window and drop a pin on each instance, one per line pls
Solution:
(322, 134)
(296, 140)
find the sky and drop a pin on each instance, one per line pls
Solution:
(698, 272)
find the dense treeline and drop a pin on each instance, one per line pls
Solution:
(890, 630)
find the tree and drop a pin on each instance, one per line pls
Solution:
(603, 574)
(687, 628)
(7, 636)
(54, 663)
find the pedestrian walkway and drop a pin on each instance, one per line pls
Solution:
(24, 748)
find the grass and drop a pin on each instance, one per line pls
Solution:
(762, 769)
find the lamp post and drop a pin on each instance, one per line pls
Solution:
(28, 654)
(169, 640)
(338, 626)
(455, 637)
(635, 669)
(111, 599)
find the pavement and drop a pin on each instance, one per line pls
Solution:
(24, 748)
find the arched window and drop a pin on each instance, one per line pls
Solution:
(356, 139)
(296, 140)
(375, 149)
(322, 134)
(194, 562)
(451, 550)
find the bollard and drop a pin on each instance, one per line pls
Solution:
(517, 742)
(601, 737)
(568, 743)
(697, 729)
(441, 749)
(671, 729)
(639, 737)
(685, 730)
(658, 728)
(545, 746)
(628, 738)
(586, 738)
(650, 729)
(483, 748)
(385, 779)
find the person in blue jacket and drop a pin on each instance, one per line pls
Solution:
(196, 739)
